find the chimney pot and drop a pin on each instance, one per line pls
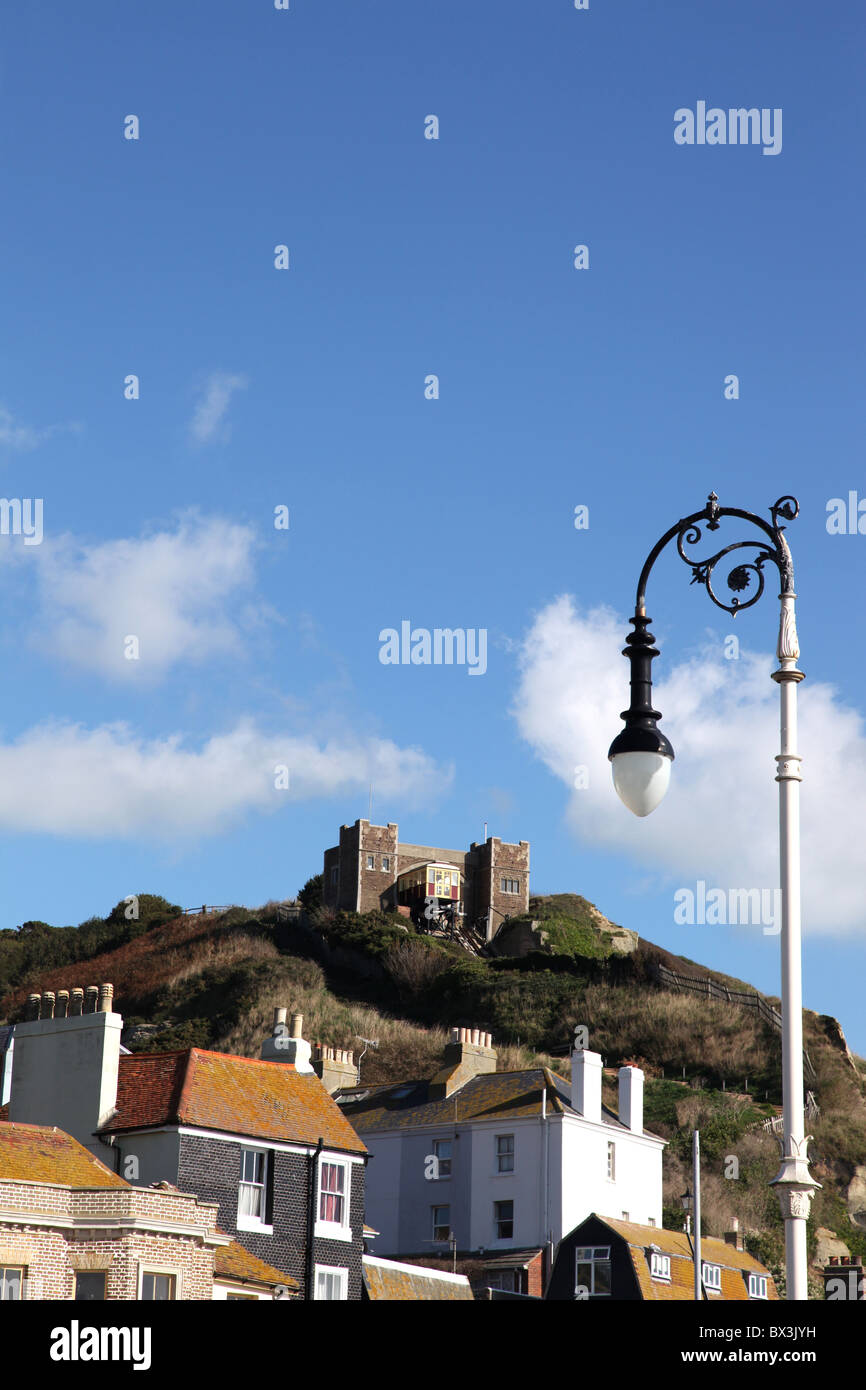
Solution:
(34, 1003)
(47, 1004)
(455, 1035)
(297, 1025)
(91, 995)
(76, 1005)
(279, 1018)
(106, 998)
(62, 1008)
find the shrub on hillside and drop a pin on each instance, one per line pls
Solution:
(310, 896)
(141, 912)
(413, 966)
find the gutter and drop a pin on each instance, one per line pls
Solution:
(112, 1143)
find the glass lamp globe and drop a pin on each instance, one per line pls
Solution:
(641, 779)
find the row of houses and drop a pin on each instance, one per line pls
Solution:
(201, 1175)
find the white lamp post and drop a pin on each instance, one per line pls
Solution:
(641, 759)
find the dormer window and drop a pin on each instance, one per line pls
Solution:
(712, 1277)
(757, 1286)
(660, 1267)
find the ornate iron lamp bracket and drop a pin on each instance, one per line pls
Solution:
(689, 531)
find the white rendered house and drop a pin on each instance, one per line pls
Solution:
(493, 1162)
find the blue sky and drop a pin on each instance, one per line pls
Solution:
(306, 388)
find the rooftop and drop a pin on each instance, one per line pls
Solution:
(44, 1154)
(494, 1096)
(734, 1263)
(232, 1261)
(389, 1281)
(237, 1095)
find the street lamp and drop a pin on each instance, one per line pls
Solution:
(641, 759)
(692, 1202)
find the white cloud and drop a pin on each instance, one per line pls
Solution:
(23, 438)
(211, 409)
(171, 590)
(719, 819)
(105, 783)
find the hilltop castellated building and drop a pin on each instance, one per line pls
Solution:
(371, 870)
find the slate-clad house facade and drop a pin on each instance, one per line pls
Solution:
(246, 1135)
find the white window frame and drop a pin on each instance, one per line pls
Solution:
(611, 1161)
(440, 1176)
(246, 1222)
(711, 1276)
(650, 1221)
(660, 1267)
(146, 1267)
(500, 1171)
(21, 1271)
(437, 1225)
(334, 1230)
(758, 1286)
(334, 1271)
(592, 1255)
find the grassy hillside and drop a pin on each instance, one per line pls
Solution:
(213, 981)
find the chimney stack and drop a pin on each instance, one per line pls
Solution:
(631, 1080)
(586, 1085)
(734, 1236)
(844, 1281)
(281, 1047)
(66, 1062)
(470, 1053)
(336, 1067)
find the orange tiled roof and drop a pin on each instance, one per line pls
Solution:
(43, 1153)
(736, 1264)
(386, 1281)
(234, 1262)
(239, 1095)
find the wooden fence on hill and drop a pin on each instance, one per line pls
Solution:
(708, 988)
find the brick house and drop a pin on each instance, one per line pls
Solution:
(260, 1139)
(371, 870)
(71, 1229)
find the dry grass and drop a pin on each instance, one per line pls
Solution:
(676, 1030)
